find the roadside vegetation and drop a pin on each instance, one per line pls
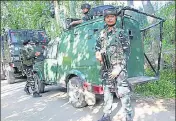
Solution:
(165, 86)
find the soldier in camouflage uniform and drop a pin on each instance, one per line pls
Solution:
(28, 55)
(85, 9)
(116, 45)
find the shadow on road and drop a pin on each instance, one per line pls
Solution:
(54, 106)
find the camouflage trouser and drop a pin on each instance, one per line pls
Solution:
(30, 80)
(124, 93)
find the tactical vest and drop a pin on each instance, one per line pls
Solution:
(113, 44)
(86, 17)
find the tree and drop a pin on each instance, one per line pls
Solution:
(72, 5)
(148, 8)
(130, 3)
(153, 34)
(18, 14)
(56, 9)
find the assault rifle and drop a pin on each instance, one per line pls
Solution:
(107, 68)
(106, 62)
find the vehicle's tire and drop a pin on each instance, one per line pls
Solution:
(10, 75)
(39, 83)
(75, 93)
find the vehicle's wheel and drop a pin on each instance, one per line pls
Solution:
(10, 75)
(40, 86)
(75, 93)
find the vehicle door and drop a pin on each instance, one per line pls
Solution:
(51, 63)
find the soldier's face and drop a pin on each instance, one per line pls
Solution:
(110, 20)
(85, 10)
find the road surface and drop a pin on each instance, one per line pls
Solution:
(54, 106)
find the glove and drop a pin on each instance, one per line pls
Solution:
(115, 72)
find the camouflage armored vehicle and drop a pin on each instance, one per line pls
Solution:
(12, 41)
(70, 59)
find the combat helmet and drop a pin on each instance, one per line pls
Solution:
(85, 6)
(110, 11)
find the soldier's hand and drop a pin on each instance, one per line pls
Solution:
(37, 53)
(98, 56)
(70, 24)
(115, 72)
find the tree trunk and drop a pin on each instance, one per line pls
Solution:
(148, 8)
(72, 6)
(130, 3)
(56, 9)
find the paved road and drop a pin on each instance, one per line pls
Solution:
(54, 106)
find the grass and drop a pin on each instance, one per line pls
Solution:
(164, 87)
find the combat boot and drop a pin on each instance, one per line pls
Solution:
(129, 118)
(105, 118)
(36, 94)
(26, 89)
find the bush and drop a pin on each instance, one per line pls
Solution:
(164, 87)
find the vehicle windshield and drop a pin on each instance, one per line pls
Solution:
(35, 36)
(17, 37)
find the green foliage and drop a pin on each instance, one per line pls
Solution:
(164, 87)
(28, 15)
(168, 12)
(19, 15)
